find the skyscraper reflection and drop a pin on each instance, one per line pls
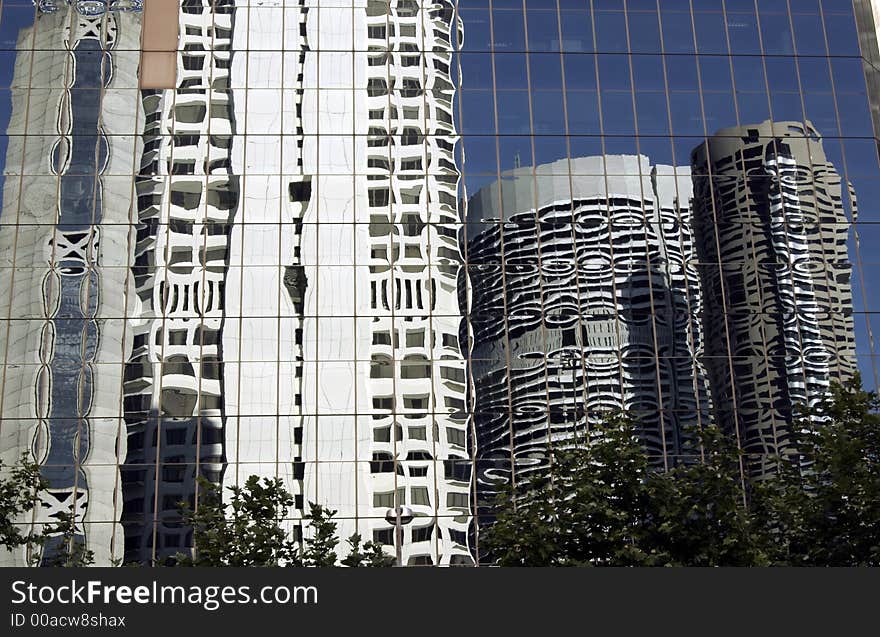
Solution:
(772, 235)
(393, 251)
(64, 230)
(589, 265)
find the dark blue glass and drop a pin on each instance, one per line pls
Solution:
(658, 149)
(648, 73)
(513, 113)
(545, 70)
(681, 72)
(753, 107)
(776, 34)
(778, 6)
(508, 30)
(653, 118)
(510, 71)
(786, 106)
(742, 30)
(848, 75)
(641, 5)
(809, 34)
(861, 157)
(514, 151)
(478, 108)
(711, 32)
(678, 35)
(720, 109)
(7, 68)
(478, 35)
(644, 32)
(687, 117)
(814, 74)
(715, 73)
(583, 113)
(585, 146)
(869, 212)
(548, 113)
(821, 110)
(619, 145)
(580, 71)
(740, 6)
(805, 6)
(614, 72)
(14, 18)
(543, 30)
(748, 73)
(549, 148)
(577, 31)
(480, 154)
(843, 38)
(507, 4)
(477, 70)
(610, 31)
(617, 113)
(781, 73)
(855, 115)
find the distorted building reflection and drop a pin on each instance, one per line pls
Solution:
(772, 218)
(584, 301)
(392, 252)
(187, 199)
(65, 229)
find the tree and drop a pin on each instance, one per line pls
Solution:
(62, 546)
(249, 530)
(320, 545)
(56, 544)
(601, 504)
(698, 512)
(587, 508)
(370, 555)
(19, 493)
(823, 507)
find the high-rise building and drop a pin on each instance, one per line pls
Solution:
(187, 201)
(247, 331)
(584, 301)
(772, 234)
(387, 251)
(385, 420)
(64, 241)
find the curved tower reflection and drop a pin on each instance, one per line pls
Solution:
(584, 298)
(73, 113)
(772, 224)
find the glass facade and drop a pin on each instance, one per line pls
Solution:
(392, 251)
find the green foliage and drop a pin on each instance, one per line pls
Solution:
(67, 550)
(56, 544)
(823, 508)
(698, 514)
(320, 546)
(600, 504)
(248, 530)
(587, 509)
(371, 555)
(19, 493)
